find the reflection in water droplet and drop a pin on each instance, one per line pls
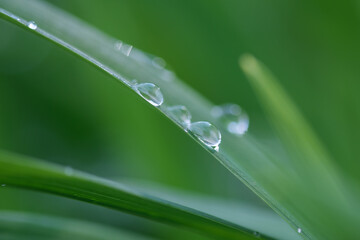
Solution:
(124, 48)
(233, 117)
(206, 133)
(150, 92)
(3, 185)
(158, 62)
(118, 44)
(299, 230)
(32, 25)
(181, 115)
(69, 171)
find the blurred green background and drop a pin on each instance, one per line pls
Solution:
(56, 107)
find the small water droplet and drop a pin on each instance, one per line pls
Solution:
(32, 25)
(256, 234)
(69, 171)
(3, 185)
(181, 115)
(118, 44)
(206, 133)
(158, 62)
(233, 117)
(299, 230)
(150, 92)
(126, 49)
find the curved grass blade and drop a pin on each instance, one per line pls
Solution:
(260, 220)
(318, 179)
(21, 225)
(275, 179)
(19, 171)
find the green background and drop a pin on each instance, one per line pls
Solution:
(56, 107)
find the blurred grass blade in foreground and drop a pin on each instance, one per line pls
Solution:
(24, 225)
(319, 187)
(19, 171)
(303, 190)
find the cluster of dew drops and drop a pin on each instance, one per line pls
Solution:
(235, 120)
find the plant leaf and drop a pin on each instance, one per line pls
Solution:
(19, 171)
(310, 162)
(277, 180)
(244, 214)
(22, 225)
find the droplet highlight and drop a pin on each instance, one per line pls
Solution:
(233, 117)
(123, 48)
(126, 49)
(206, 133)
(3, 185)
(118, 45)
(150, 92)
(299, 230)
(181, 115)
(32, 25)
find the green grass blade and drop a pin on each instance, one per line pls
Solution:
(21, 225)
(244, 214)
(242, 156)
(318, 181)
(19, 171)
(308, 198)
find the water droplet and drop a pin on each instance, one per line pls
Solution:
(3, 185)
(126, 49)
(150, 92)
(233, 117)
(299, 230)
(256, 234)
(69, 171)
(181, 115)
(32, 25)
(118, 44)
(206, 133)
(158, 62)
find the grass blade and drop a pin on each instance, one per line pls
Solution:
(311, 164)
(19, 171)
(244, 214)
(21, 225)
(283, 184)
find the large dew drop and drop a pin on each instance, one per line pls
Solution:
(233, 117)
(32, 25)
(181, 115)
(150, 92)
(206, 133)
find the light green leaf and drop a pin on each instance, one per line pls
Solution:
(307, 192)
(19, 171)
(22, 225)
(317, 195)
(244, 214)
